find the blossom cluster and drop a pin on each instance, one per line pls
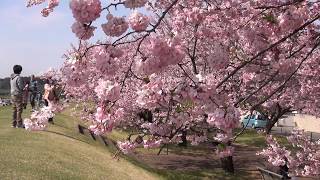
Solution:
(302, 160)
(163, 54)
(151, 143)
(115, 26)
(226, 120)
(85, 11)
(138, 21)
(196, 139)
(39, 119)
(82, 31)
(107, 90)
(106, 60)
(34, 2)
(104, 122)
(195, 16)
(149, 95)
(127, 147)
(276, 154)
(132, 4)
(46, 11)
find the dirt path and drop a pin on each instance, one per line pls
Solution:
(245, 160)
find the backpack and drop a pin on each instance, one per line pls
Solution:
(16, 79)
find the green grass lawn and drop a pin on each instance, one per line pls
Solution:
(251, 138)
(59, 153)
(62, 153)
(4, 96)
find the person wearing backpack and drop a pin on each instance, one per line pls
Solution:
(17, 85)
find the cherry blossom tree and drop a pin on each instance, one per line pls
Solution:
(302, 159)
(177, 70)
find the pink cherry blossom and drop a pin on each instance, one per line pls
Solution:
(132, 4)
(196, 15)
(138, 21)
(85, 11)
(107, 90)
(151, 143)
(224, 119)
(39, 119)
(126, 147)
(163, 54)
(105, 62)
(302, 160)
(196, 140)
(82, 31)
(115, 26)
(185, 72)
(46, 11)
(34, 2)
(277, 154)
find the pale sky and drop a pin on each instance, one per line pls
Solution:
(35, 42)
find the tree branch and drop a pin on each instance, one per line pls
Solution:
(267, 49)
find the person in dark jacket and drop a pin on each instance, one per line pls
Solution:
(25, 95)
(17, 85)
(33, 91)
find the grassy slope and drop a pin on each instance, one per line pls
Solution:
(62, 153)
(59, 153)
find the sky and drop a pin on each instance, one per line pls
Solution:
(35, 42)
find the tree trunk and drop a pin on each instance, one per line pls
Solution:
(270, 125)
(283, 170)
(184, 142)
(227, 164)
(275, 119)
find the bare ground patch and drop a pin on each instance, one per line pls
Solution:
(202, 159)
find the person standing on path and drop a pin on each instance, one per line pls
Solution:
(17, 85)
(50, 95)
(33, 91)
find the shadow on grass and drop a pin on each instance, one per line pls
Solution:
(67, 136)
(64, 127)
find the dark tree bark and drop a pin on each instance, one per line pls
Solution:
(146, 115)
(270, 124)
(227, 164)
(279, 112)
(184, 142)
(272, 116)
(284, 170)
